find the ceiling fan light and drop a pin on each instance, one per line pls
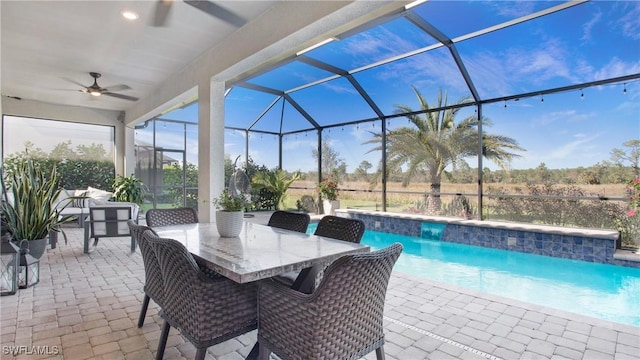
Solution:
(95, 93)
(129, 14)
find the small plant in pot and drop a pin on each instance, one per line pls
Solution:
(28, 207)
(230, 214)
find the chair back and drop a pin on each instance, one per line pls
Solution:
(165, 217)
(341, 319)
(289, 220)
(351, 299)
(206, 310)
(153, 285)
(340, 228)
(109, 221)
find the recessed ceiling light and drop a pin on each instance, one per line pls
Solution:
(129, 14)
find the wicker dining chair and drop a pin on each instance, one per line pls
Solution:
(340, 228)
(341, 319)
(177, 216)
(153, 287)
(345, 229)
(289, 220)
(206, 310)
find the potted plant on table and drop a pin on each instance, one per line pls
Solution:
(28, 206)
(328, 190)
(230, 214)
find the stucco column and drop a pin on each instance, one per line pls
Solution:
(129, 151)
(210, 147)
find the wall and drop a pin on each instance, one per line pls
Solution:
(589, 245)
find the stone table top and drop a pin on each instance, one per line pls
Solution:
(260, 251)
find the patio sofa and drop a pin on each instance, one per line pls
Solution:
(77, 202)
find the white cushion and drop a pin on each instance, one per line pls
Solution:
(63, 198)
(100, 225)
(100, 197)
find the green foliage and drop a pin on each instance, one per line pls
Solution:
(561, 205)
(228, 202)
(74, 172)
(79, 174)
(32, 214)
(172, 180)
(263, 199)
(277, 182)
(128, 189)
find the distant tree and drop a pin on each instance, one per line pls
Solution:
(436, 141)
(542, 173)
(362, 172)
(330, 158)
(63, 151)
(629, 157)
(94, 152)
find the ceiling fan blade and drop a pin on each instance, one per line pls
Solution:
(116, 88)
(75, 82)
(120, 96)
(163, 7)
(218, 11)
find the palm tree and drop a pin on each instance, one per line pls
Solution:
(436, 141)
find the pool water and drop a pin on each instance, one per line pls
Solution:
(603, 291)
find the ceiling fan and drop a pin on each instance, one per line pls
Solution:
(96, 90)
(163, 8)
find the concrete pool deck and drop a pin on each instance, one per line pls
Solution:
(86, 307)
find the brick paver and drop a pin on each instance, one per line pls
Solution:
(86, 307)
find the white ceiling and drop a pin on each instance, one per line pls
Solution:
(49, 47)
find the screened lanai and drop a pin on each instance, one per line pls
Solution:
(555, 84)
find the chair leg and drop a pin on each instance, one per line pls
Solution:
(380, 353)
(86, 238)
(263, 352)
(133, 244)
(163, 340)
(143, 310)
(200, 354)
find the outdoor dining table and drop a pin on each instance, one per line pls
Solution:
(260, 251)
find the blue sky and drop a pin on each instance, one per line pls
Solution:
(587, 42)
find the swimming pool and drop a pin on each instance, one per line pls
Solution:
(603, 291)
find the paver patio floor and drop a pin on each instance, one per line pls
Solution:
(86, 307)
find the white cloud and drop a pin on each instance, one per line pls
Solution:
(587, 28)
(381, 43)
(615, 68)
(513, 10)
(628, 23)
(580, 144)
(338, 88)
(291, 145)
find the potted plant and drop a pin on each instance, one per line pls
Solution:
(328, 190)
(28, 206)
(277, 182)
(230, 214)
(128, 189)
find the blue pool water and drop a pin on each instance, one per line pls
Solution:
(603, 291)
